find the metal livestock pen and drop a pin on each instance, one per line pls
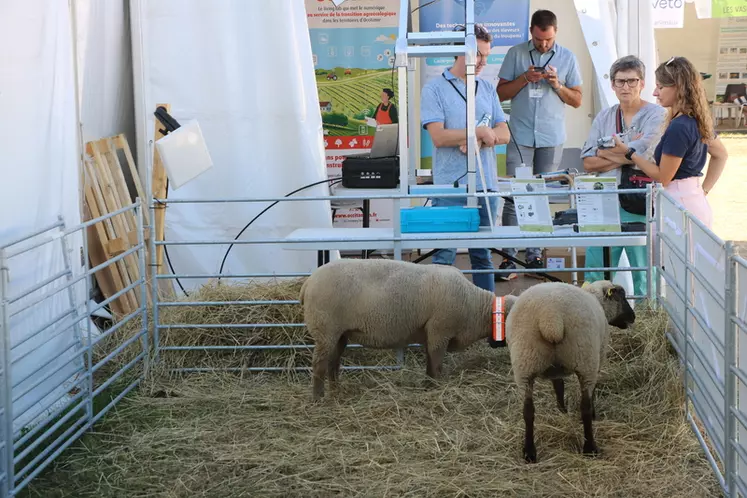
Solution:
(699, 280)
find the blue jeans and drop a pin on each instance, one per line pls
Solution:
(542, 160)
(479, 258)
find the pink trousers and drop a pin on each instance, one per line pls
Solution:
(689, 193)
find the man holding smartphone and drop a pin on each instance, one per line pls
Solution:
(540, 78)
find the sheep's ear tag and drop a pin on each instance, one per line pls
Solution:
(499, 322)
(585, 284)
(609, 292)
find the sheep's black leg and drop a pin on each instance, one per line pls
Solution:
(593, 403)
(587, 409)
(530, 451)
(559, 386)
(334, 361)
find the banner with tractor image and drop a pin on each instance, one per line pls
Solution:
(353, 50)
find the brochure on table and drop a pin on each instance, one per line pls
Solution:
(532, 212)
(597, 212)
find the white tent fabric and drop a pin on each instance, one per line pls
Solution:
(105, 69)
(638, 33)
(251, 86)
(40, 181)
(613, 29)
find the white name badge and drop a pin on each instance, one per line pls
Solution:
(536, 93)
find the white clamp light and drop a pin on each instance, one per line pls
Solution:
(183, 150)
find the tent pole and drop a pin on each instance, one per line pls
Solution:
(73, 12)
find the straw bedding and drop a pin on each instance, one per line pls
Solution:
(382, 433)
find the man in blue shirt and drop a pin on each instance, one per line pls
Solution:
(540, 77)
(443, 113)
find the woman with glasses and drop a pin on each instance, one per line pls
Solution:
(688, 139)
(640, 123)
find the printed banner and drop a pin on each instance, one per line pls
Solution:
(731, 65)
(668, 13)
(506, 20)
(353, 51)
(729, 8)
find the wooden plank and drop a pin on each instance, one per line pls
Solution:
(160, 191)
(109, 234)
(113, 203)
(112, 168)
(115, 144)
(120, 142)
(106, 204)
(116, 247)
(133, 237)
(108, 278)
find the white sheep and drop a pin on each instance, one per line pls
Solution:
(386, 304)
(556, 329)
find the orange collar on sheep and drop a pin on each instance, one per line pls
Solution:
(499, 321)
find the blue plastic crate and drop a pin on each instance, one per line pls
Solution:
(421, 219)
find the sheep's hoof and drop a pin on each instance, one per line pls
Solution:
(590, 449)
(562, 408)
(316, 396)
(530, 454)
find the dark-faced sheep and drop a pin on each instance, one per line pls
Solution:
(556, 329)
(386, 304)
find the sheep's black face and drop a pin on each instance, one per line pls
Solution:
(622, 315)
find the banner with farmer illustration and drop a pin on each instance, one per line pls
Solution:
(353, 50)
(506, 20)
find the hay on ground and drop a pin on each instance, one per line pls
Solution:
(386, 434)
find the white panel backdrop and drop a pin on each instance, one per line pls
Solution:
(245, 73)
(105, 69)
(39, 171)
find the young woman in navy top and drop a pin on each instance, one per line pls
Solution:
(687, 140)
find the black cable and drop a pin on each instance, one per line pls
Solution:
(521, 157)
(424, 5)
(165, 247)
(329, 180)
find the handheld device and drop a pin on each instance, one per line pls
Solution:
(608, 142)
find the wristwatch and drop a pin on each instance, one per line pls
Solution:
(629, 154)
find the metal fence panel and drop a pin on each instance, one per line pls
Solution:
(6, 423)
(672, 234)
(48, 406)
(704, 284)
(738, 320)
